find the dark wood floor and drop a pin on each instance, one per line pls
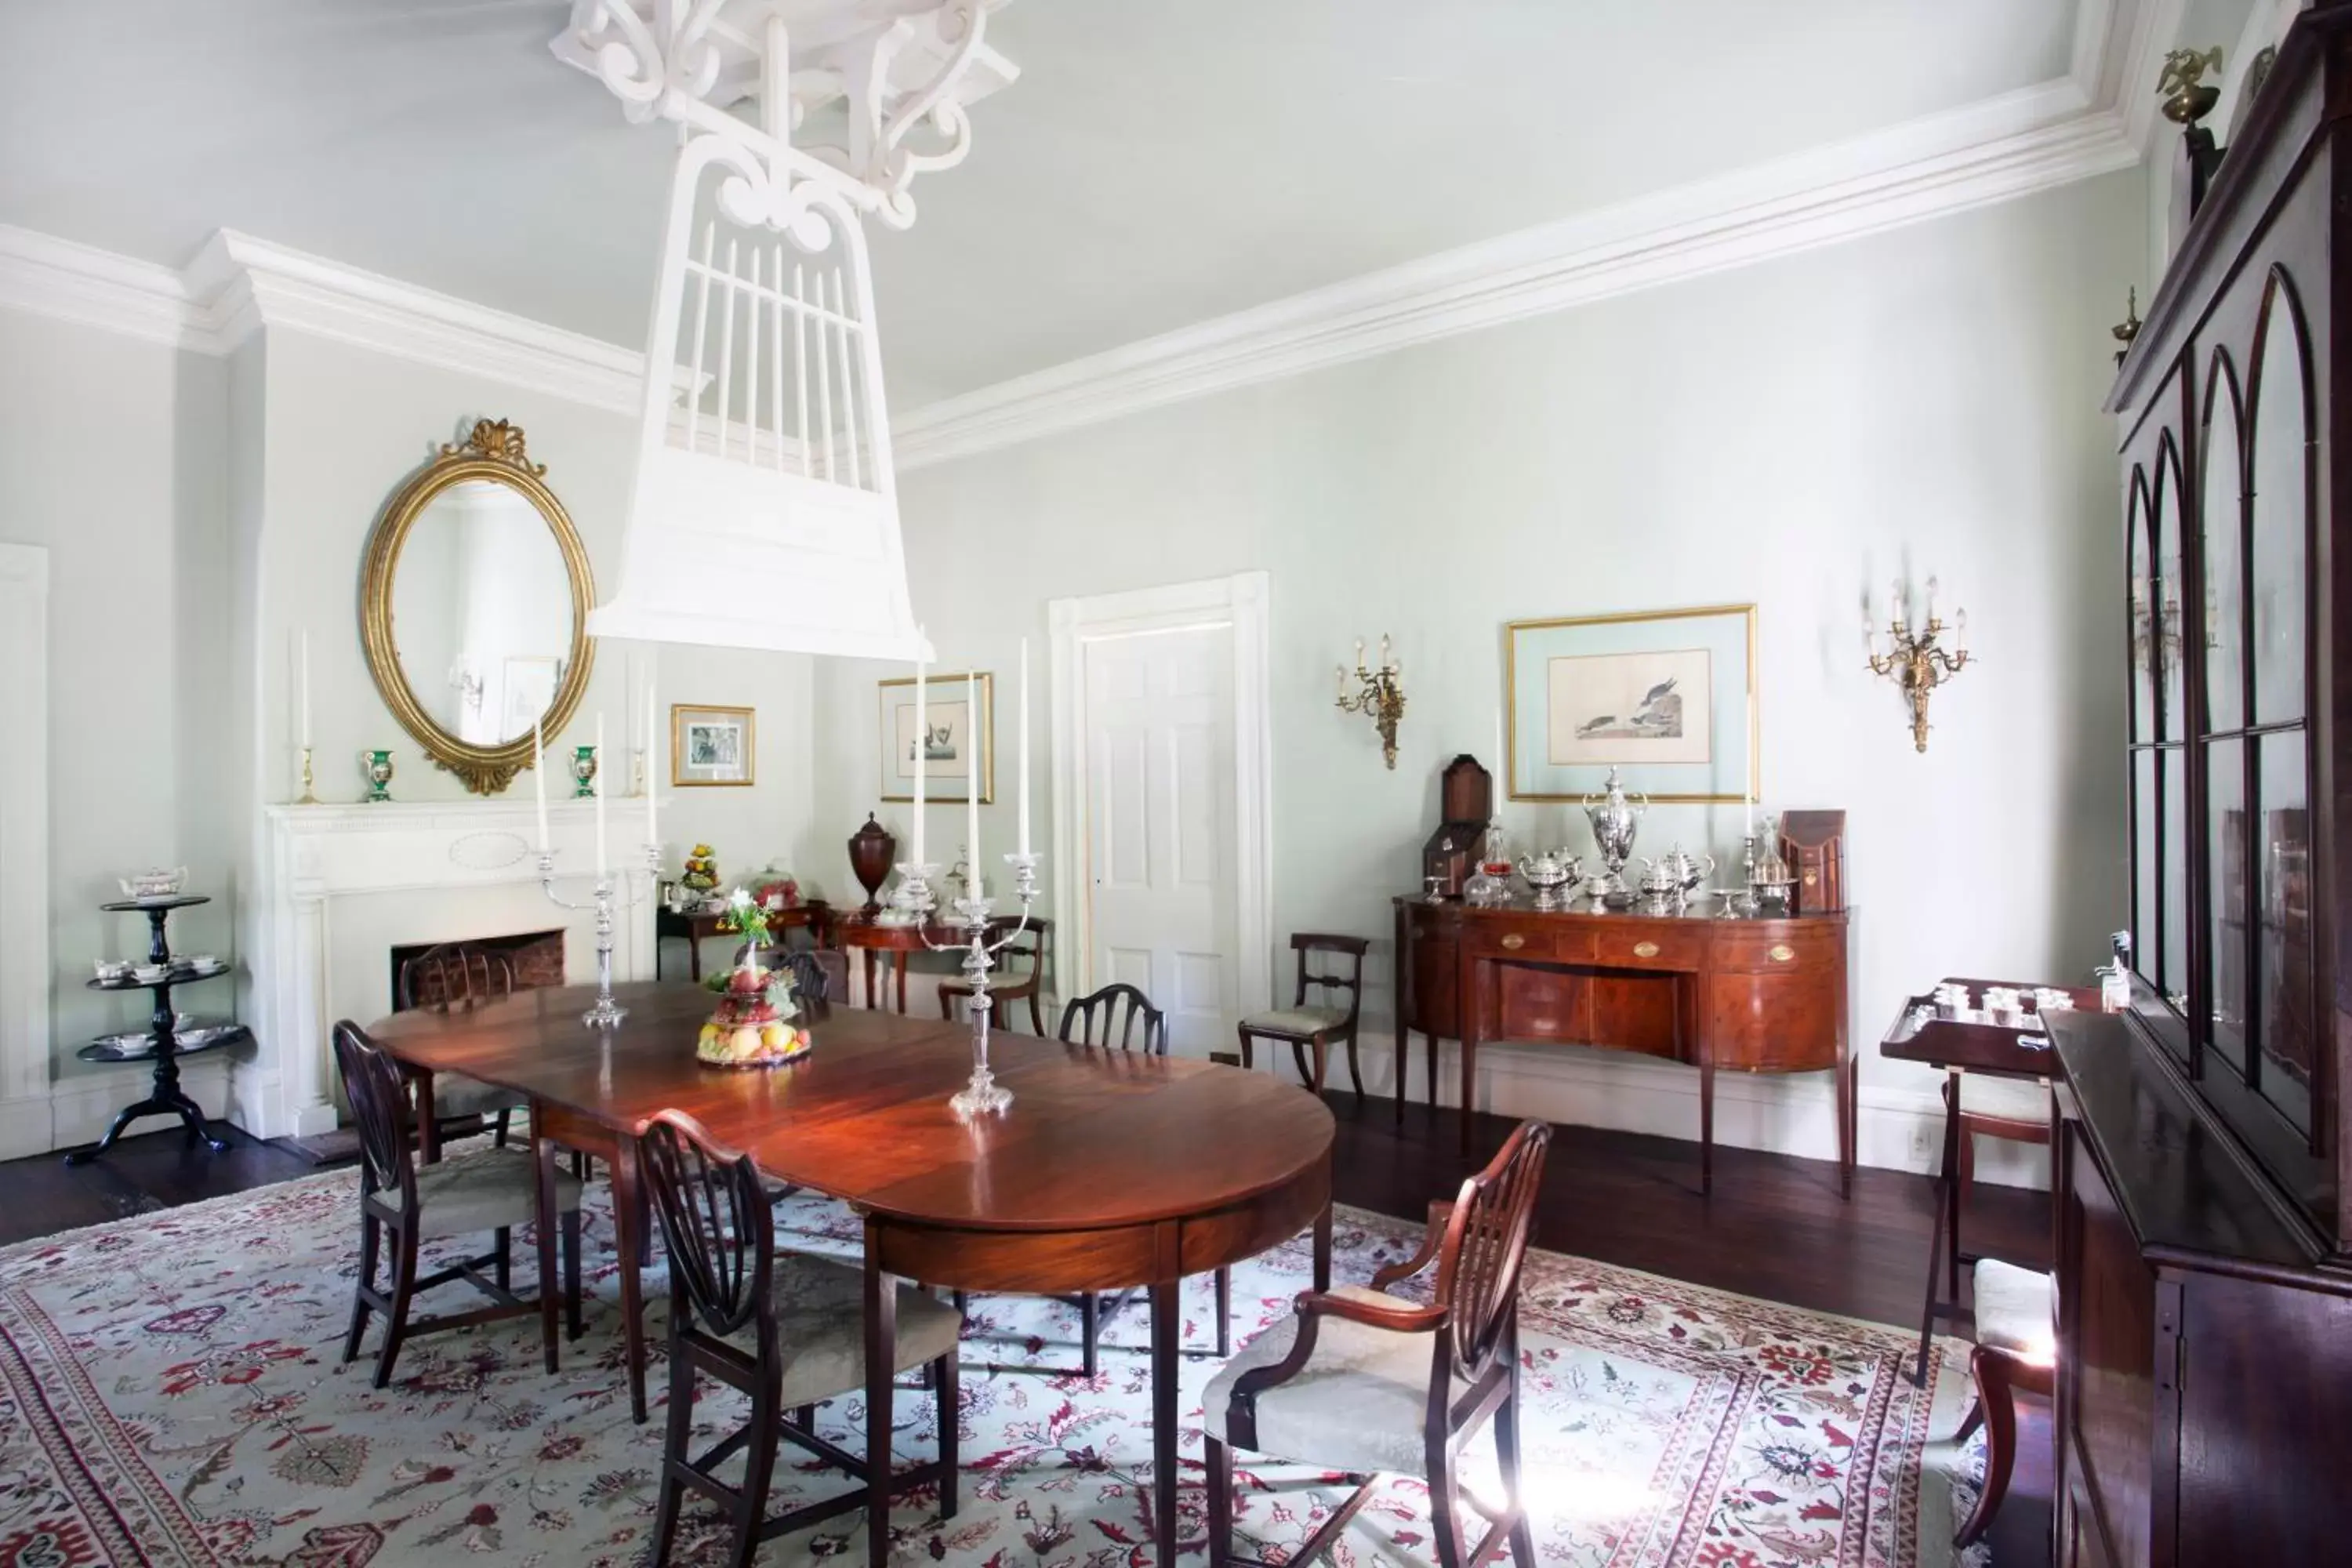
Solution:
(1775, 1227)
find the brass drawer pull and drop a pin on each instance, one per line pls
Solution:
(1645, 950)
(1780, 953)
(1515, 941)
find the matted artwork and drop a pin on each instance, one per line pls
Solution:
(711, 745)
(1665, 697)
(958, 745)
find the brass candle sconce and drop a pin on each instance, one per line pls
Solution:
(1915, 661)
(1380, 693)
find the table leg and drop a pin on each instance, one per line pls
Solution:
(899, 963)
(1472, 973)
(1323, 1250)
(871, 999)
(881, 1341)
(1952, 1135)
(628, 1226)
(428, 1121)
(1167, 1324)
(1928, 1312)
(694, 954)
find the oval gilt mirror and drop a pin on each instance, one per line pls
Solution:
(473, 608)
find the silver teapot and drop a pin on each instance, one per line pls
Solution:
(1676, 870)
(1549, 873)
(1614, 818)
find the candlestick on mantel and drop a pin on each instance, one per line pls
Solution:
(302, 686)
(972, 780)
(922, 744)
(653, 775)
(1025, 746)
(596, 781)
(539, 779)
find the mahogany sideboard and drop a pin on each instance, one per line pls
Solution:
(1761, 994)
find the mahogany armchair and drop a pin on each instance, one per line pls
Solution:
(2017, 1347)
(1369, 1382)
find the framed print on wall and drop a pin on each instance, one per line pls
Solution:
(1665, 697)
(959, 741)
(711, 745)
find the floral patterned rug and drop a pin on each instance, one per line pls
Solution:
(170, 1393)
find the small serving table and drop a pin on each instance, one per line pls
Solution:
(166, 1042)
(816, 917)
(865, 933)
(1960, 1042)
(1110, 1171)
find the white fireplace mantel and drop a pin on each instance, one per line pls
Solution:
(344, 884)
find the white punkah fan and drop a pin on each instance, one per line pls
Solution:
(764, 512)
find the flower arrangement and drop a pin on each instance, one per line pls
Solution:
(749, 1027)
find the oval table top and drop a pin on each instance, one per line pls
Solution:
(1093, 1138)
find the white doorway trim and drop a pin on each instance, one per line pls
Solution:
(27, 1121)
(1241, 604)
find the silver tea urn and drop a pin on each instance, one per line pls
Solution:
(1614, 817)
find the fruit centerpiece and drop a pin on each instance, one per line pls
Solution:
(701, 870)
(751, 1026)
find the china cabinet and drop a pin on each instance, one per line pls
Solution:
(2204, 1235)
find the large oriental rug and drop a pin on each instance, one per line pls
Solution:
(169, 1393)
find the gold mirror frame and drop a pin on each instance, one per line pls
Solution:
(493, 451)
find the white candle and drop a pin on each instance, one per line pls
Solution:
(921, 737)
(598, 785)
(1960, 628)
(302, 686)
(971, 777)
(1024, 745)
(653, 829)
(1499, 760)
(1931, 596)
(539, 779)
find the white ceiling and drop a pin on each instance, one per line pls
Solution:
(1155, 166)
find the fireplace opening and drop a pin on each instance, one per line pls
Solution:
(537, 957)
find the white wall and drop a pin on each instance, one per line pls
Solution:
(344, 429)
(1789, 434)
(112, 457)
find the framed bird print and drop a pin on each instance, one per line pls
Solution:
(1667, 698)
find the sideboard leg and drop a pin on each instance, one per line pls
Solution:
(1706, 1123)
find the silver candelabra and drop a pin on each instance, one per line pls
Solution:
(983, 1095)
(605, 1013)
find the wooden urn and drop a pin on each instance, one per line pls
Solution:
(872, 852)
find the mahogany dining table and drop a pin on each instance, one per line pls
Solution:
(1110, 1171)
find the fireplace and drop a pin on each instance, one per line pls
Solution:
(537, 957)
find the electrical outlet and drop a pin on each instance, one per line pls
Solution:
(1923, 1141)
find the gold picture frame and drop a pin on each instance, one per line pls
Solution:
(945, 705)
(1702, 638)
(712, 747)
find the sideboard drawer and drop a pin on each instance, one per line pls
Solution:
(1774, 947)
(1535, 941)
(1650, 947)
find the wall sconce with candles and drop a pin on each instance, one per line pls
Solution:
(1379, 694)
(1913, 660)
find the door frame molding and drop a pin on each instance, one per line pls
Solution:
(1242, 606)
(27, 1119)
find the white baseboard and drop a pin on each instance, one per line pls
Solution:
(80, 1109)
(25, 1123)
(1780, 1113)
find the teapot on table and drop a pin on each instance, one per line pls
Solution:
(1676, 872)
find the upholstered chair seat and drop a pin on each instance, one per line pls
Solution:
(1295, 1020)
(821, 1305)
(486, 1191)
(2010, 1099)
(2014, 1311)
(1360, 1404)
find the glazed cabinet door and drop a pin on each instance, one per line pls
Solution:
(2108, 1352)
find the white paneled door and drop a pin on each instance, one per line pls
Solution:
(1160, 824)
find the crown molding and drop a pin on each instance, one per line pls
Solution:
(44, 276)
(2090, 122)
(246, 284)
(2023, 143)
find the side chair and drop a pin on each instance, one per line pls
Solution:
(1036, 943)
(457, 977)
(1368, 1383)
(1316, 1026)
(789, 1331)
(2017, 1347)
(491, 1190)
